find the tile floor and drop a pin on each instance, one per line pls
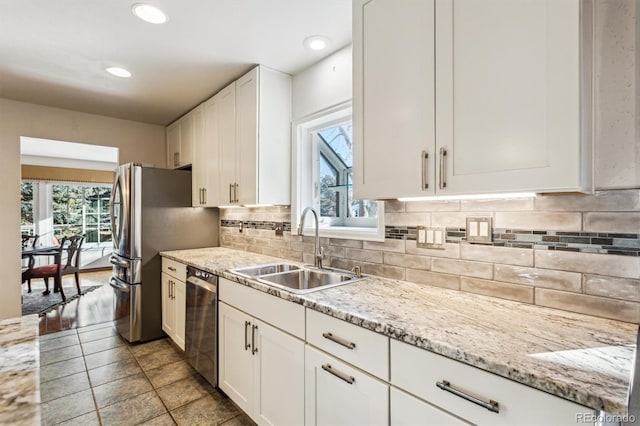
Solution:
(91, 376)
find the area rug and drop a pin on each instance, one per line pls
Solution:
(36, 303)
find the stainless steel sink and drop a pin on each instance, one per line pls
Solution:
(256, 271)
(296, 279)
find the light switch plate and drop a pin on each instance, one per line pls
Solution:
(480, 229)
(433, 237)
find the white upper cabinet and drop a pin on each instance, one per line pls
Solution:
(180, 136)
(471, 96)
(198, 166)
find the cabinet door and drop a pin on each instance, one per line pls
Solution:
(331, 400)
(279, 382)
(180, 308)
(199, 164)
(227, 100)
(407, 410)
(211, 154)
(393, 103)
(508, 95)
(168, 311)
(236, 363)
(173, 145)
(247, 137)
(186, 140)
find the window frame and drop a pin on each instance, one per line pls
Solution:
(305, 189)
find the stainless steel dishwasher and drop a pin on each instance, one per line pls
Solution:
(201, 330)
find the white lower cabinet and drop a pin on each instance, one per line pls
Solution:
(338, 394)
(407, 410)
(174, 300)
(261, 368)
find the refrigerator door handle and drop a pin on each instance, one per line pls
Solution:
(115, 261)
(115, 283)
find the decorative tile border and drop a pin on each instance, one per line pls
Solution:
(585, 242)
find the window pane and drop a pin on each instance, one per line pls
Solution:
(329, 197)
(339, 140)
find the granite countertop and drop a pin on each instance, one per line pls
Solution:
(581, 358)
(19, 371)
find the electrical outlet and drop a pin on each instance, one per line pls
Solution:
(433, 237)
(278, 229)
(480, 229)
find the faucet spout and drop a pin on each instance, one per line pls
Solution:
(319, 252)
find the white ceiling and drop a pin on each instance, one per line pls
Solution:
(54, 52)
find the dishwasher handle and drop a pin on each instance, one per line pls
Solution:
(213, 287)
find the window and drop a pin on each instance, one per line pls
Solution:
(323, 178)
(26, 208)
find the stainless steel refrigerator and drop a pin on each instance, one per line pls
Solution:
(151, 212)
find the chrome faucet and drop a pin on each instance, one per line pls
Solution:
(319, 251)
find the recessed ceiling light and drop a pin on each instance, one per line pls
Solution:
(149, 13)
(316, 42)
(118, 72)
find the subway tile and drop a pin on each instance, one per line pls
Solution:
(588, 263)
(407, 219)
(609, 201)
(547, 278)
(627, 222)
(386, 271)
(617, 288)
(592, 305)
(394, 206)
(334, 251)
(345, 243)
(504, 255)
(407, 260)
(493, 205)
(433, 206)
(556, 221)
(451, 250)
(396, 246)
(291, 255)
(462, 267)
(434, 279)
(519, 293)
(453, 220)
(308, 258)
(346, 264)
(372, 256)
(302, 247)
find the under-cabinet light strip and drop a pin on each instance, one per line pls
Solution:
(471, 197)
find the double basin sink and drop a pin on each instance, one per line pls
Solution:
(296, 279)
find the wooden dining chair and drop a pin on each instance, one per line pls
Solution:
(29, 241)
(63, 265)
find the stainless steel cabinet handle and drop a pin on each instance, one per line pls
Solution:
(204, 196)
(491, 405)
(425, 177)
(200, 196)
(176, 159)
(171, 268)
(246, 332)
(443, 165)
(230, 190)
(170, 286)
(340, 375)
(339, 340)
(254, 348)
(235, 193)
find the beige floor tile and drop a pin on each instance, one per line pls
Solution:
(57, 335)
(170, 373)
(163, 420)
(96, 327)
(67, 407)
(121, 389)
(102, 344)
(60, 342)
(159, 358)
(133, 411)
(61, 354)
(141, 349)
(210, 410)
(114, 371)
(61, 369)
(182, 392)
(89, 419)
(98, 334)
(54, 389)
(240, 420)
(99, 359)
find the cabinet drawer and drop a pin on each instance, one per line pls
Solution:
(417, 371)
(361, 347)
(175, 269)
(407, 410)
(278, 312)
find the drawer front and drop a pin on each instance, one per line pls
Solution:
(358, 346)
(175, 269)
(278, 312)
(418, 371)
(407, 410)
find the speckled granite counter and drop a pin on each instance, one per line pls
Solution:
(19, 371)
(584, 359)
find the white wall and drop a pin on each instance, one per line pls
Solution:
(138, 142)
(322, 85)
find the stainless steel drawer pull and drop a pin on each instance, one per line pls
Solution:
(338, 374)
(491, 405)
(425, 178)
(230, 192)
(339, 340)
(253, 339)
(246, 335)
(204, 195)
(443, 165)
(171, 268)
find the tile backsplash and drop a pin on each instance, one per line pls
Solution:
(579, 253)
